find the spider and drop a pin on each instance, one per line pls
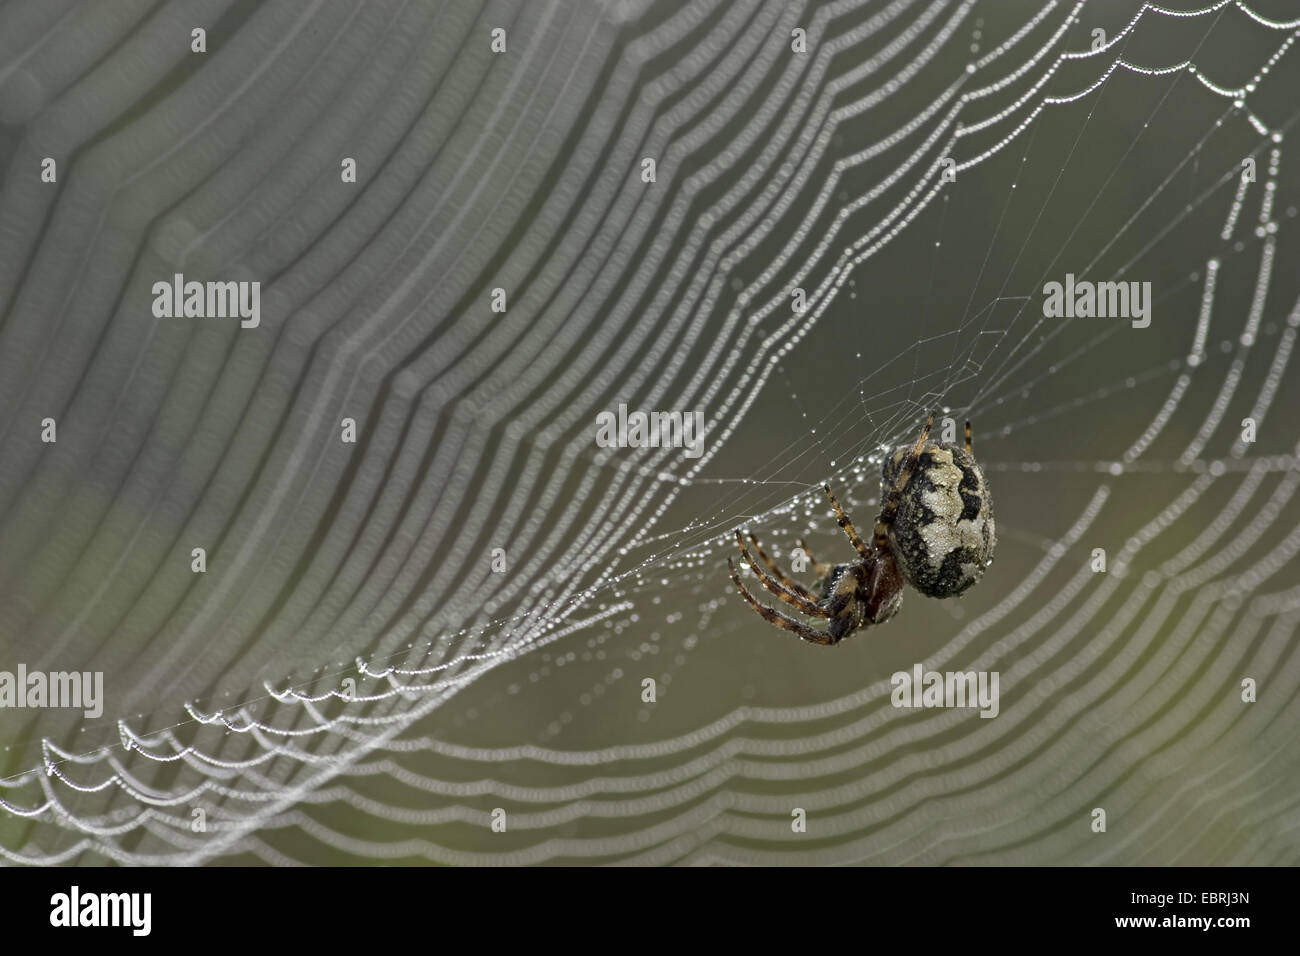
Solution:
(934, 531)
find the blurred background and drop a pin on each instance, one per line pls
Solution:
(430, 645)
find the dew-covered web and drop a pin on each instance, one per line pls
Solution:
(918, 175)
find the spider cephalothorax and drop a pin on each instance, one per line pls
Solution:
(935, 531)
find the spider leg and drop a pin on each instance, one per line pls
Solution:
(807, 605)
(809, 634)
(820, 568)
(846, 525)
(969, 450)
(780, 575)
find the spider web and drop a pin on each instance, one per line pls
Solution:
(439, 691)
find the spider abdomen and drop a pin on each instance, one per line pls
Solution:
(943, 532)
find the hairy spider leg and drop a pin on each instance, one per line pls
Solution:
(969, 449)
(846, 525)
(820, 568)
(809, 634)
(895, 496)
(784, 578)
(805, 604)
